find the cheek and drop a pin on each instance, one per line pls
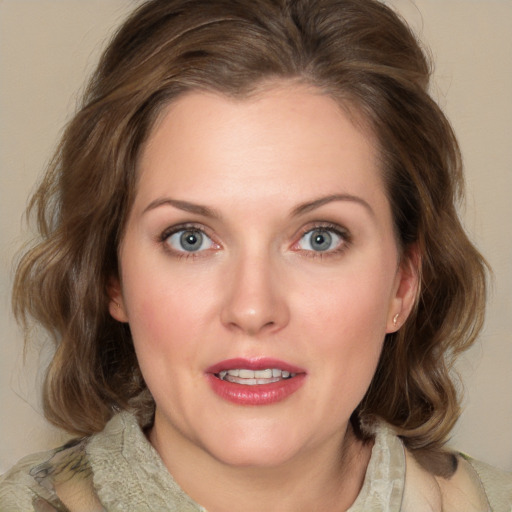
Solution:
(167, 315)
(161, 325)
(349, 302)
(346, 320)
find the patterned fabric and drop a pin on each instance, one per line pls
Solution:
(118, 470)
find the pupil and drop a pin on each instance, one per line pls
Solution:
(191, 240)
(321, 240)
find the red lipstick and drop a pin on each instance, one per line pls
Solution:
(260, 393)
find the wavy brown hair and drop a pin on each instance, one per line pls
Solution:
(357, 51)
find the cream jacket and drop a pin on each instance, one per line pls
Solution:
(118, 470)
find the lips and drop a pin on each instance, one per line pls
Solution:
(261, 381)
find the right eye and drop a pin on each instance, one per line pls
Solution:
(189, 240)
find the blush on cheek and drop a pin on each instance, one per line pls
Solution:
(148, 326)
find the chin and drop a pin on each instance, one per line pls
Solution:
(255, 457)
(262, 448)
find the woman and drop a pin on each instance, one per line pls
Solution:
(254, 272)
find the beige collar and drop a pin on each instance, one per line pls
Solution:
(129, 475)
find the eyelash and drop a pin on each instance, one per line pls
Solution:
(342, 233)
(167, 233)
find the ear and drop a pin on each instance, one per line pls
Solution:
(116, 305)
(406, 289)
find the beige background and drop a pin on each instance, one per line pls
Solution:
(47, 47)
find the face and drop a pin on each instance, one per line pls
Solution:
(259, 274)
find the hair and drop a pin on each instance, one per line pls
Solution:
(359, 52)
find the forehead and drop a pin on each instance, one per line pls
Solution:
(292, 137)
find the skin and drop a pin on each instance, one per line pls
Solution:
(258, 288)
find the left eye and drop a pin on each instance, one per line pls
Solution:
(320, 240)
(189, 240)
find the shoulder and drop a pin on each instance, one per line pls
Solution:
(50, 481)
(473, 487)
(497, 484)
(18, 488)
(115, 469)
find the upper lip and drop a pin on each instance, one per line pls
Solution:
(258, 363)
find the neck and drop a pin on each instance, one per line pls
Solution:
(328, 477)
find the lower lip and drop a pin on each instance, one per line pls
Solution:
(259, 394)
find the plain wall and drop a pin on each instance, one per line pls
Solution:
(48, 47)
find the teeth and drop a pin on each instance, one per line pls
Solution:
(254, 377)
(263, 374)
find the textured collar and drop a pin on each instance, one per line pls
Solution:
(383, 485)
(130, 475)
(118, 470)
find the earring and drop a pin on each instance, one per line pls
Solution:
(118, 306)
(395, 319)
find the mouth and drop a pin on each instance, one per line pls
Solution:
(261, 381)
(248, 377)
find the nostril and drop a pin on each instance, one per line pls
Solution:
(253, 300)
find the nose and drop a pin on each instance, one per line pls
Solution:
(255, 298)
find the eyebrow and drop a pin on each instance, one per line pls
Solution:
(183, 205)
(299, 210)
(313, 205)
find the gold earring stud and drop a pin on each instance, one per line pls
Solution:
(395, 319)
